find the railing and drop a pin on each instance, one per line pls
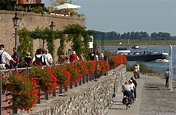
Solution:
(60, 89)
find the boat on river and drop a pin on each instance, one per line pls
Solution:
(145, 56)
(135, 47)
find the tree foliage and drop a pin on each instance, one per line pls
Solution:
(7, 4)
(130, 35)
(25, 42)
(75, 33)
(79, 37)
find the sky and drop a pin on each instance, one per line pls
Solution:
(128, 15)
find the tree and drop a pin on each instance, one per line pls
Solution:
(79, 38)
(7, 4)
(132, 35)
(128, 35)
(137, 35)
(154, 35)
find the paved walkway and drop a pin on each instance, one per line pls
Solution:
(151, 93)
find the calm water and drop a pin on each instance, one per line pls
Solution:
(160, 67)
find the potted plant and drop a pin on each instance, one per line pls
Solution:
(75, 75)
(24, 94)
(48, 81)
(63, 76)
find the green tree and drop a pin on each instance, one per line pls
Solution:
(7, 4)
(25, 42)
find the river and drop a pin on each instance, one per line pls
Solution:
(159, 67)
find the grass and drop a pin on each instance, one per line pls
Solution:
(134, 42)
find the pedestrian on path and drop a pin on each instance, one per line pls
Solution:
(132, 87)
(5, 58)
(28, 59)
(135, 83)
(127, 91)
(136, 71)
(166, 75)
(16, 57)
(48, 59)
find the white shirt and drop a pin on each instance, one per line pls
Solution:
(132, 86)
(126, 87)
(5, 56)
(48, 58)
(136, 68)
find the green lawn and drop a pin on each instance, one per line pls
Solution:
(134, 42)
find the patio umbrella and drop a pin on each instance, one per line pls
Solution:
(67, 6)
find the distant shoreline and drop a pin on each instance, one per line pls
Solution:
(140, 46)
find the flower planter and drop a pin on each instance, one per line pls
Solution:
(37, 80)
(60, 89)
(54, 93)
(10, 86)
(46, 96)
(65, 88)
(76, 84)
(14, 110)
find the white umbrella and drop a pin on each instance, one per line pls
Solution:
(67, 6)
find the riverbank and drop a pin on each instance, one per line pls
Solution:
(153, 98)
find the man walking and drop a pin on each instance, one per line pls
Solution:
(166, 75)
(16, 57)
(5, 58)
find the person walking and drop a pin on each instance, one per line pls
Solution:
(166, 75)
(38, 59)
(135, 84)
(47, 57)
(73, 57)
(5, 58)
(127, 91)
(132, 87)
(28, 59)
(16, 57)
(136, 71)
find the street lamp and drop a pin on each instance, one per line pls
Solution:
(16, 21)
(52, 25)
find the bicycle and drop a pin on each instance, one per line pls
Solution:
(126, 101)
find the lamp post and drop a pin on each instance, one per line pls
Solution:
(60, 87)
(16, 21)
(52, 25)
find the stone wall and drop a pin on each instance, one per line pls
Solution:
(92, 98)
(32, 21)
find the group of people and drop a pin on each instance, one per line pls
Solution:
(96, 55)
(42, 57)
(70, 57)
(129, 90)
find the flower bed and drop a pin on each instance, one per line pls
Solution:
(116, 60)
(48, 80)
(25, 93)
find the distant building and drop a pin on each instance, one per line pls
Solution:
(30, 3)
